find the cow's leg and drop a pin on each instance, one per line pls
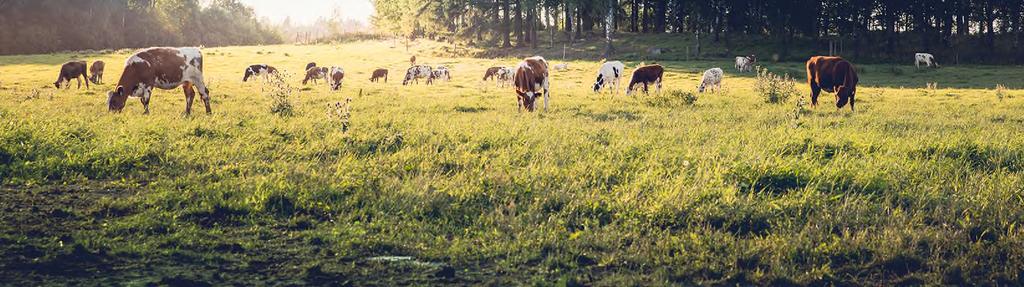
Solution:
(190, 94)
(852, 101)
(815, 91)
(657, 86)
(146, 94)
(204, 93)
(86, 78)
(646, 89)
(79, 80)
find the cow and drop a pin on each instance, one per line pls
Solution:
(415, 73)
(833, 75)
(164, 68)
(379, 73)
(491, 73)
(315, 73)
(310, 65)
(609, 75)
(337, 76)
(531, 81)
(72, 70)
(745, 64)
(258, 70)
(712, 80)
(97, 72)
(505, 75)
(646, 75)
(441, 73)
(925, 58)
(562, 67)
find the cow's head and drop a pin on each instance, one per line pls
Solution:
(528, 99)
(845, 94)
(248, 73)
(598, 83)
(700, 88)
(57, 83)
(116, 99)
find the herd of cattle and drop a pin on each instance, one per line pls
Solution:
(170, 68)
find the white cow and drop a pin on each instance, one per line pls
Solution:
(712, 80)
(504, 76)
(562, 67)
(925, 58)
(441, 73)
(745, 64)
(415, 73)
(609, 75)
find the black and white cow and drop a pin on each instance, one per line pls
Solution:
(415, 73)
(263, 70)
(609, 75)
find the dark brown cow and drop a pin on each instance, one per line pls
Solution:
(531, 80)
(310, 65)
(97, 72)
(491, 73)
(834, 75)
(315, 73)
(164, 68)
(646, 75)
(379, 73)
(72, 70)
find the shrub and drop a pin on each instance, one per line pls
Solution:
(1000, 92)
(279, 92)
(673, 98)
(341, 112)
(774, 88)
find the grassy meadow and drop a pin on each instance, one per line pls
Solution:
(448, 184)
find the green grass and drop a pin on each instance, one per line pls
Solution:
(917, 186)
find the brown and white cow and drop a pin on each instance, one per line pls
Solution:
(834, 75)
(646, 75)
(531, 81)
(164, 68)
(337, 76)
(491, 73)
(379, 73)
(72, 70)
(315, 73)
(97, 72)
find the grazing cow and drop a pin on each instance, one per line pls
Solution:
(712, 80)
(441, 73)
(97, 72)
(746, 64)
(258, 70)
(491, 73)
(505, 76)
(415, 73)
(925, 58)
(562, 67)
(164, 68)
(379, 73)
(337, 77)
(310, 65)
(646, 75)
(72, 70)
(834, 75)
(315, 73)
(531, 81)
(412, 61)
(609, 75)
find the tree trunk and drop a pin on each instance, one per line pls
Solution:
(504, 27)
(519, 24)
(568, 23)
(609, 50)
(660, 8)
(634, 16)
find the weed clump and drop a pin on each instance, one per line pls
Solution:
(773, 88)
(341, 112)
(673, 98)
(279, 92)
(1000, 92)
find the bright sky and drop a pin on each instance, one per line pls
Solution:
(307, 11)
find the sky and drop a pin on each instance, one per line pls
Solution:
(307, 11)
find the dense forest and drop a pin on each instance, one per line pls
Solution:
(36, 26)
(988, 31)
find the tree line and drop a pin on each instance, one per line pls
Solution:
(959, 30)
(41, 26)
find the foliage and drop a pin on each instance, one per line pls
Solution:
(277, 88)
(774, 89)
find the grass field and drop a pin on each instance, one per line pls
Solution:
(449, 184)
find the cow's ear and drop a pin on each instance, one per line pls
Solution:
(119, 91)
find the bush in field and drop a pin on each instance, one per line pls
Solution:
(1000, 92)
(341, 112)
(773, 88)
(673, 98)
(279, 92)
